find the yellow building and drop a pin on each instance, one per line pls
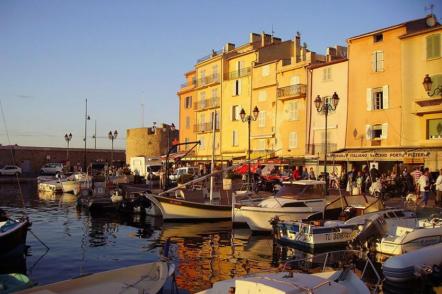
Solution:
(186, 97)
(326, 79)
(389, 114)
(421, 113)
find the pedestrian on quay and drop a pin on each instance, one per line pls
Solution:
(424, 187)
(416, 174)
(311, 174)
(162, 179)
(439, 189)
(296, 174)
(304, 175)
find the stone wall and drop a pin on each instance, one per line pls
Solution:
(149, 142)
(31, 159)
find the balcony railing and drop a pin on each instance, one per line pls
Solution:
(243, 72)
(207, 103)
(205, 127)
(208, 56)
(208, 80)
(188, 83)
(297, 90)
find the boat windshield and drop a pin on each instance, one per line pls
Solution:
(304, 190)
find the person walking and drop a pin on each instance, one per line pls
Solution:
(416, 176)
(439, 189)
(311, 174)
(424, 187)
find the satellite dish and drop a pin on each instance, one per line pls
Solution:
(431, 20)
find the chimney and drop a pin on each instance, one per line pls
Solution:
(276, 40)
(253, 37)
(229, 47)
(297, 47)
(265, 39)
(330, 54)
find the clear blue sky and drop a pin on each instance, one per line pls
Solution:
(120, 54)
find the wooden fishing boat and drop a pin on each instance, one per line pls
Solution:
(13, 234)
(143, 278)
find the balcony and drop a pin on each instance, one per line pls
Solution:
(207, 104)
(205, 127)
(293, 91)
(204, 81)
(243, 72)
(188, 83)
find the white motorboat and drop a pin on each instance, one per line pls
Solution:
(289, 282)
(407, 239)
(300, 200)
(52, 186)
(143, 278)
(406, 266)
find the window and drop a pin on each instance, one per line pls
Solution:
(203, 76)
(202, 118)
(293, 140)
(261, 144)
(265, 70)
(203, 100)
(378, 38)
(214, 92)
(188, 102)
(326, 74)
(262, 119)
(377, 61)
(433, 46)
(202, 143)
(434, 129)
(234, 138)
(377, 98)
(215, 72)
(376, 132)
(187, 122)
(262, 95)
(236, 109)
(186, 140)
(237, 88)
(292, 110)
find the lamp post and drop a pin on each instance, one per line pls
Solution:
(248, 119)
(112, 137)
(324, 105)
(428, 84)
(68, 139)
(171, 128)
(86, 118)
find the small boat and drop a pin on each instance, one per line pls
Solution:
(97, 199)
(315, 236)
(329, 281)
(13, 282)
(299, 200)
(407, 239)
(143, 278)
(13, 234)
(406, 266)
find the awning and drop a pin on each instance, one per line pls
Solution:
(406, 156)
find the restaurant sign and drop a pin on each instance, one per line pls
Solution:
(405, 156)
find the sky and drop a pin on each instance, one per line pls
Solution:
(122, 54)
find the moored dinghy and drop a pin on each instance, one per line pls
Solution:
(143, 278)
(13, 234)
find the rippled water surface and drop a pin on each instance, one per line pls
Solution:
(79, 243)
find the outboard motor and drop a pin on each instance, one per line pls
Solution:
(371, 230)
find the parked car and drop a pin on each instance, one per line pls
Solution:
(52, 168)
(10, 170)
(183, 171)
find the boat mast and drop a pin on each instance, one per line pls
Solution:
(212, 164)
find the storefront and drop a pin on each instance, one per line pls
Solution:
(389, 159)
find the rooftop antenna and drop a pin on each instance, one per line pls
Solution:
(273, 32)
(430, 8)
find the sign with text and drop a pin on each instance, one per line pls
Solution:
(406, 156)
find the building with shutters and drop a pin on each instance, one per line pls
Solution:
(186, 100)
(391, 120)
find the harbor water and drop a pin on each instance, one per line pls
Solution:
(79, 243)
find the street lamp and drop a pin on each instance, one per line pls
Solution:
(67, 138)
(248, 119)
(325, 105)
(171, 128)
(112, 137)
(428, 84)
